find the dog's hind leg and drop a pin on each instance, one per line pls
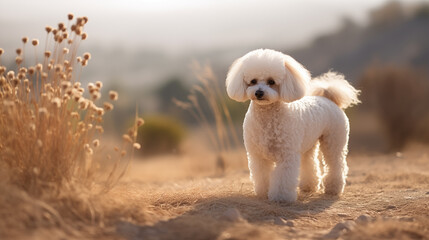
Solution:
(334, 149)
(310, 174)
(260, 170)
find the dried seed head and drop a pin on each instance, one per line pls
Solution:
(140, 122)
(84, 63)
(99, 84)
(1, 51)
(123, 153)
(21, 75)
(84, 36)
(85, 19)
(91, 86)
(108, 106)
(2, 70)
(18, 51)
(113, 95)
(18, 60)
(78, 30)
(35, 42)
(74, 115)
(88, 149)
(83, 104)
(127, 138)
(70, 16)
(65, 85)
(87, 56)
(31, 70)
(58, 67)
(65, 35)
(95, 96)
(57, 102)
(24, 40)
(15, 82)
(47, 54)
(43, 110)
(99, 128)
(69, 41)
(60, 25)
(136, 145)
(73, 27)
(39, 67)
(48, 29)
(65, 50)
(100, 111)
(79, 59)
(96, 143)
(10, 75)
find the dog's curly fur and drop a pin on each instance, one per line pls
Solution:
(289, 119)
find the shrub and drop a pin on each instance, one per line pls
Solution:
(399, 95)
(160, 134)
(50, 154)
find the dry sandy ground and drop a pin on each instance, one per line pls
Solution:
(182, 197)
(386, 197)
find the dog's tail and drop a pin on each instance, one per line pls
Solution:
(334, 87)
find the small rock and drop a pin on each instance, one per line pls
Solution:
(341, 228)
(391, 207)
(232, 214)
(342, 215)
(427, 193)
(364, 218)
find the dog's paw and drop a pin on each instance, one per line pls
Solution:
(334, 189)
(287, 197)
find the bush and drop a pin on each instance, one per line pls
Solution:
(160, 134)
(399, 96)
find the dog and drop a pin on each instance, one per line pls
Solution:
(291, 117)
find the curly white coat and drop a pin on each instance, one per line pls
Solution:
(288, 120)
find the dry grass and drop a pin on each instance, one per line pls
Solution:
(51, 161)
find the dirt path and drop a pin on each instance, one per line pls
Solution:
(386, 197)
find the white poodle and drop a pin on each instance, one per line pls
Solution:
(288, 119)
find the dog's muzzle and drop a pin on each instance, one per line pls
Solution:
(259, 94)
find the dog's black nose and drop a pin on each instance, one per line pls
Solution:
(259, 94)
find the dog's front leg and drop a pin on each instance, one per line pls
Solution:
(284, 179)
(260, 170)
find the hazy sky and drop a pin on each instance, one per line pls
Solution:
(176, 26)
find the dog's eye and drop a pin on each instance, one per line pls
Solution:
(271, 81)
(253, 82)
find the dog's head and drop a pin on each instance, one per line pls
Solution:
(266, 76)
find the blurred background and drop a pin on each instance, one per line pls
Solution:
(155, 51)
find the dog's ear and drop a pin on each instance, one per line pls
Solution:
(296, 81)
(235, 85)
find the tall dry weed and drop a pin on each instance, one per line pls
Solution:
(223, 136)
(50, 124)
